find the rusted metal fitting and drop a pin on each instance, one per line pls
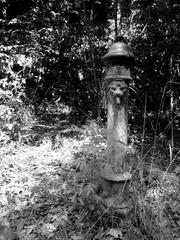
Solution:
(119, 54)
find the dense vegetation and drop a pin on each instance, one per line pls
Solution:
(52, 50)
(51, 82)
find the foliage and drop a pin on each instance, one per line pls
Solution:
(157, 50)
(62, 44)
(53, 35)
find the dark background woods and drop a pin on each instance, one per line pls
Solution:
(51, 52)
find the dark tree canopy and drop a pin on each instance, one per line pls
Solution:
(63, 42)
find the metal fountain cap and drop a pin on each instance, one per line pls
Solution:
(119, 53)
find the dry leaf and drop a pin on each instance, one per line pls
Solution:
(30, 229)
(115, 233)
(76, 237)
(48, 228)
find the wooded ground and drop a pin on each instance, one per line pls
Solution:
(52, 118)
(49, 186)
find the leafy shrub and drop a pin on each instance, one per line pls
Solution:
(15, 120)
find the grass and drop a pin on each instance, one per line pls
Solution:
(31, 172)
(48, 190)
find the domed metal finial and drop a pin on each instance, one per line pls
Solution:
(119, 53)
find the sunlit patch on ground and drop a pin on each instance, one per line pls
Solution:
(23, 168)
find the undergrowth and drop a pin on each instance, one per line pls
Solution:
(50, 185)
